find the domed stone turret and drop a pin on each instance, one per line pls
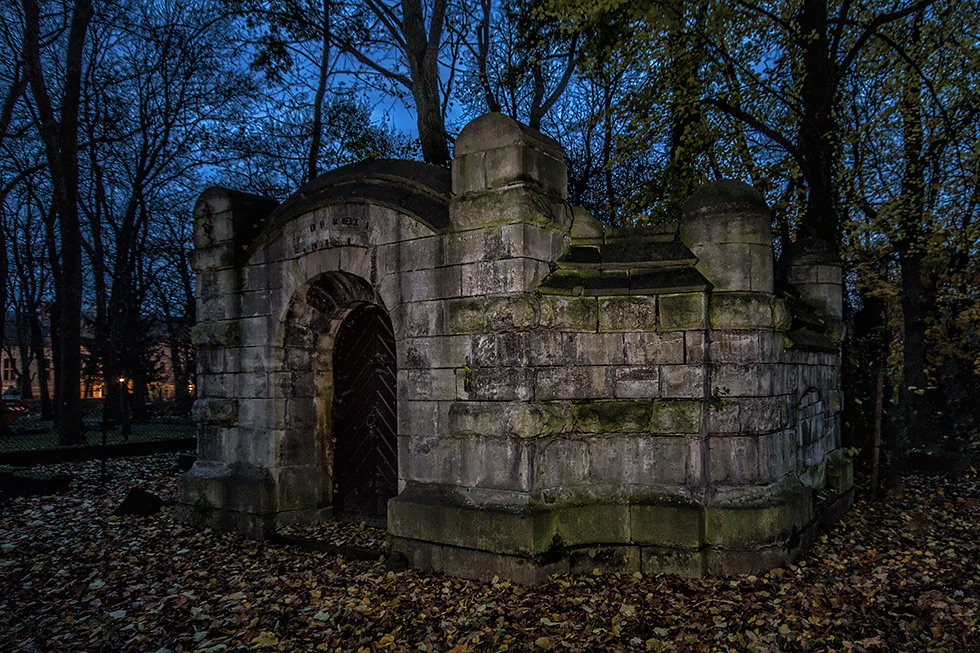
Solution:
(727, 225)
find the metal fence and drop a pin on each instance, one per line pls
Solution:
(30, 433)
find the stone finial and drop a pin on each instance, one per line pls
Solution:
(727, 225)
(495, 151)
(813, 266)
(225, 221)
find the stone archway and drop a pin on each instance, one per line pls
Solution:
(320, 313)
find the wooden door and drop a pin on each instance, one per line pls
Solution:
(366, 454)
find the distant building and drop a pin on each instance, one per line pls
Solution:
(159, 389)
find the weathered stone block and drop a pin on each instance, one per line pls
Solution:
(728, 227)
(219, 307)
(666, 525)
(514, 275)
(253, 385)
(513, 311)
(422, 384)
(569, 313)
(671, 416)
(560, 463)
(596, 348)
(543, 348)
(483, 350)
(213, 442)
(218, 360)
(531, 241)
(763, 415)
(434, 283)
(212, 411)
(681, 312)
(593, 524)
(420, 319)
(648, 347)
(216, 257)
(216, 386)
(509, 206)
(742, 311)
(723, 416)
(472, 245)
(431, 516)
(257, 303)
(756, 525)
(427, 418)
(432, 460)
(611, 416)
(668, 560)
(444, 351)
(733, 459)
(681, 381)
(500, 384)
(612, 459)
(736, 347)
(628, 314)
(257, 331)
(585, 228)
(495, 151)
(840, 473)
(775, 456)
(643, 381)
(759, 380)
(262, 358)
(224, 333)
(581, 382)
(465, 314)
(504, 464)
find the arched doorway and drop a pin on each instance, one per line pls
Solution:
(364, 416)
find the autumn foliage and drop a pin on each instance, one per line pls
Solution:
(895, 575)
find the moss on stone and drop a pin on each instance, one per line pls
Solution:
(676, 525)
(681, 312)
(516, 311)
(742, 310)
(593, 524)
(758, 524)
(676, 416)
(627, 314)
(611, 416)
(465, 314)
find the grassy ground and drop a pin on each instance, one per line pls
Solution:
(896, 575)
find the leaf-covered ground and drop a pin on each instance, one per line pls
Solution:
(900, 575)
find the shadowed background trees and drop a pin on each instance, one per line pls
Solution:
(857, 122)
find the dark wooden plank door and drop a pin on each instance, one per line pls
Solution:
(366, 454)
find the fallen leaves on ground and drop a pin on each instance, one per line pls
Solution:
(899, 575)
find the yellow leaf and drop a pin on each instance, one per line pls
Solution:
(265, 638)
(543, 642)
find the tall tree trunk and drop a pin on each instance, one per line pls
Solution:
(321, 90)
(24, 350)
(817, 127)
(60, 135)
(910, 248)
(422, 50)
(40, 355)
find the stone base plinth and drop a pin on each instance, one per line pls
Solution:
(237, 499)
(529, 543)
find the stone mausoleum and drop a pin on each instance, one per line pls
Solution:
(511, 387)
